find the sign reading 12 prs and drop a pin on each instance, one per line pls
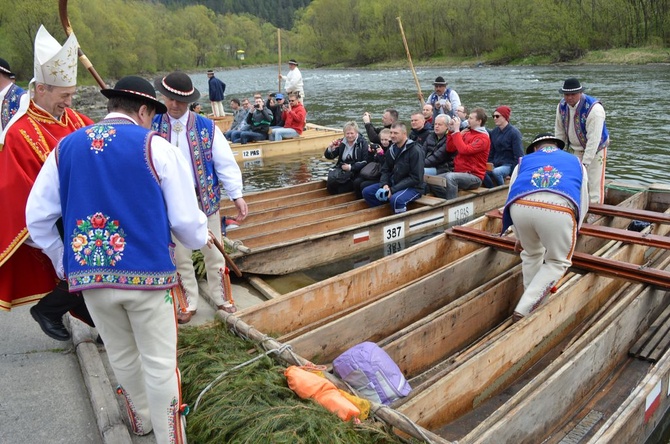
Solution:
(461, 214)
(251, 154)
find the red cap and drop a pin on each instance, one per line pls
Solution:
(504, 111)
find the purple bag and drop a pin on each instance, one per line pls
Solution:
(372, 373)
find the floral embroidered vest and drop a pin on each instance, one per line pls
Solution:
(549, 169)
(10, 104)
(117, 233)
(581, 113)
(200, 135)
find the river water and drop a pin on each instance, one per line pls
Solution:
(636, 99)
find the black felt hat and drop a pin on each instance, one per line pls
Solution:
(544, 137)
(137, 88)
(4, 67)
(177, 86)
(571, 86)
(439, 81)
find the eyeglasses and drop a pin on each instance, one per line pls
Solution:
(495, 116)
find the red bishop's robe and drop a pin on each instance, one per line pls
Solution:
(26, 274)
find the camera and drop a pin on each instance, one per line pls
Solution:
(257, 106)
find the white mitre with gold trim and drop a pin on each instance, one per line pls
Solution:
(55, 65)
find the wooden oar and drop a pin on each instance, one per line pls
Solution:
(279, 56)
(411, 65)
(65, 21)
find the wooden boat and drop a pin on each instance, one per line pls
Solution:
(314, 138)
(299, 227)
(441, 309)
(223, 123)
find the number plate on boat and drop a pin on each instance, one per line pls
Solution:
(393, 232)
(461, 213)
(249, 154)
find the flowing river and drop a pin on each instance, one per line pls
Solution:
(636, 99)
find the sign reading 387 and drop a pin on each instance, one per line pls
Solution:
(392, 233)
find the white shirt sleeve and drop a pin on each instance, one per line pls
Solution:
(559, 130)
(43, 209)
(584, 198)
(227, 169)
(187, 222)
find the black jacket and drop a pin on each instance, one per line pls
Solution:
(360, 158)
(260, 120)
(436, 154)
(421, 135)
(403, 167)
(373, 133)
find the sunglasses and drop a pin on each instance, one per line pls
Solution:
(495, 116)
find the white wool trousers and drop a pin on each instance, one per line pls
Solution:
(545, 225)
(596, 175)
(139, 328)
(217, 109)
(214, 264)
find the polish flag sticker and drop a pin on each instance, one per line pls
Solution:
(652, 402)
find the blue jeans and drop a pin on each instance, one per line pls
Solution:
(247, 136)
(496, 177)
(233, 136)
(398, 200)
(281, 133)
(455, 182)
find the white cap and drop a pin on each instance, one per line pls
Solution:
(55, 65)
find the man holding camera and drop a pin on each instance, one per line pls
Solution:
(294, 116)
(402, 173)
(259, 121)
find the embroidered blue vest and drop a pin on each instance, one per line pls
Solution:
(117, 233)
(10, 103)
(581, 113)
(549, 169)
(200, 135)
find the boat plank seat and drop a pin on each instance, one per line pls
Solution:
(429, 201)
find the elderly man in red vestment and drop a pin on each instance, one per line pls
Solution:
(26, 274)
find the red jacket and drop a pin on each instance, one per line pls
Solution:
(473, 148)
(295, 118)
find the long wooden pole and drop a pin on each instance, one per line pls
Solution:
(411, 65)
(279, 56)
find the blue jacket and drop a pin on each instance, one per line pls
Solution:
(216, 89)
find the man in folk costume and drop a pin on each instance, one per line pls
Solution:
(10, 93)
(547, 202)
(212, 165)
(580, 124)
(26, 274)
(118, 248)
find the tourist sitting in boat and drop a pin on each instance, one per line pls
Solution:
(196, 107)
(546, 214)
(462, 113)
(402, 174)
(389, 117)
(427, 112)
(294, 116)
(506, 148)
(472, 147)
(352, 155)
(259, 121)
(420, 129)
(236, 128)
(437, 160)
(371, 173)
(274, 103)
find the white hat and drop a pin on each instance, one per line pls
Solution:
(55, 65)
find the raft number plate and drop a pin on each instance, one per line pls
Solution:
(392, 233)
(461, 213)
(249, 154)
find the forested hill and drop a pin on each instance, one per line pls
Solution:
(280, 13)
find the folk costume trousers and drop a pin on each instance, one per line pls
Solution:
(215, 265)
(139, 328)
(596, 174)
(545, 225)
(217, 109)
(398, 200)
